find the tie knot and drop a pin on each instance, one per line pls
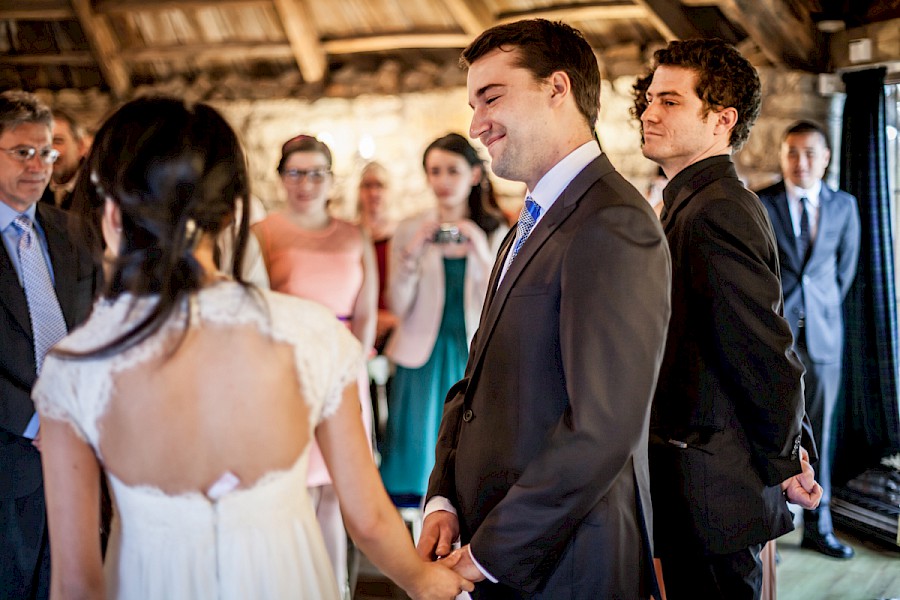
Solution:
(533, 208)
(23, 224)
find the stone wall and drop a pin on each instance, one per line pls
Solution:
(396, 129)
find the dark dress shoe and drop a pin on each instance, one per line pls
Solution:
(827, 544)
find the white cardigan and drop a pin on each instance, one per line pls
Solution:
(416, 293)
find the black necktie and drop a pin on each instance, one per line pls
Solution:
(803, 240)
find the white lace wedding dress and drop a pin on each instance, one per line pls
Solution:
(255, 542)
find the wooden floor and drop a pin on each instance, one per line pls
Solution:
(873, 574)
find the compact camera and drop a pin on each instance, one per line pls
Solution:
(448, 234)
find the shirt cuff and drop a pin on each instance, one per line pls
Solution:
(31, 430)
(436, 503)
(484, 572)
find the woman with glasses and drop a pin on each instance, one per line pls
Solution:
(198, 395)
(310, 254)
(438, 274)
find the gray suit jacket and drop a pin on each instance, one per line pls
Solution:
(543, 445)
(816, 287)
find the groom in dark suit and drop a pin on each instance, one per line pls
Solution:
(818, 246)
(26, 160)
(541, 463)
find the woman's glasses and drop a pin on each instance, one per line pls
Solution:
(22, 154)
(314, 175)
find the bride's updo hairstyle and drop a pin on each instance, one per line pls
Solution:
(176, 171)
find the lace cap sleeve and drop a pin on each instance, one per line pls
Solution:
(56, 394)
(327, 355)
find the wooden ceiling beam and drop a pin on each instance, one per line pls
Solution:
(670, 19)
(472, 15)
(35, 10)
(296, 18)
(782, 37)
(580, 12)
(117, 7)
(381, 43)
(69, 59)
(104, 46)
(210, 52)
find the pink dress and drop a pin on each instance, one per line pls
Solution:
(324, 266)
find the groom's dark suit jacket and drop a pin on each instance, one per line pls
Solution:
(21, 490)
(543, 445)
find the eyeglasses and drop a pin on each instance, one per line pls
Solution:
(314, 175)
(22, 154)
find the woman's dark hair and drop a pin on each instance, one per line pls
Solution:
(176, 172)
(483, 207)
(303, 143)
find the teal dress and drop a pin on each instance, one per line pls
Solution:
(417, 397)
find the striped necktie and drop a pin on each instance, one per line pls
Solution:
(527, 218)
(47, 323)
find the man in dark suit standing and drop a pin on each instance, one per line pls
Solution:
(818, 246)
(541, 463)
(726, 419)
(46, 287)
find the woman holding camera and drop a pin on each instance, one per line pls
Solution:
(440, 262)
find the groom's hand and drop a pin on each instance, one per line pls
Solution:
(439, 531)
(461, 561)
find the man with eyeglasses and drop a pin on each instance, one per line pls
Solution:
(71, 143)
(47, 284)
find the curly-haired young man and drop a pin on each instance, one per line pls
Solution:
(725, 427)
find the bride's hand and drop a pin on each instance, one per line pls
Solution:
(438, 581)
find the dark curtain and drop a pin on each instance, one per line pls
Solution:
(868, 416)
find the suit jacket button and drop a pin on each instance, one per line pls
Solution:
(468, 415)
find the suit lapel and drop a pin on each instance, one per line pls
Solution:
(65, 267)
(784, 228)
(13, 294)
(561, 209)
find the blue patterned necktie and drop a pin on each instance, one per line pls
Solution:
(47, 323)
(527, 218)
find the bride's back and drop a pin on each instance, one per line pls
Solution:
(227, 400)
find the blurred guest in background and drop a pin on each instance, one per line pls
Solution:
(817, 229)
(376, 221)
(440, 262)
(72, 143)
(310, 254)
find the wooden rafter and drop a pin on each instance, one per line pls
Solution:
(112, 7)
(379, 43)
(472, 15)
(782, 38)
(580, 12)
(103, 43)
(71, 58)
(35, 10)
(296, 18)
(210, 52)
(670, 19)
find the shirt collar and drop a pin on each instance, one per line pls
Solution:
(794, 193)
(8, 215)
(557, 179)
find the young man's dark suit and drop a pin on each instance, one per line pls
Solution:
(814, 289)
(726, 419)
(542, 447)
(24, 562)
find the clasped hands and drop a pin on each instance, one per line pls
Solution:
(803, 489)
(439, 531)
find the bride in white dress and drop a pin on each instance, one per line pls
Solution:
(197, 397)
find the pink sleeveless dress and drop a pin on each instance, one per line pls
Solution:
(324, 266)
